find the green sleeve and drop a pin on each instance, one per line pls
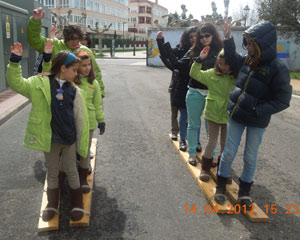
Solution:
(34, 37)
(200, 75)
(98, 103)
(16, 81)
(46, 66)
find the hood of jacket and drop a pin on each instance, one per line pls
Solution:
(265, 36)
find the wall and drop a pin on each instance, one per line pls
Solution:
(28, 6)
(287, 50)
(12, 29)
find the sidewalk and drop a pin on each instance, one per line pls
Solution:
(12, 102)
(126, 55)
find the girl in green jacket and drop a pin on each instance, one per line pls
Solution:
(57, 123)
(219, 81)
(86, 82)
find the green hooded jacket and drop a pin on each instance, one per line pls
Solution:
(219, 88)
(93, 101)
(37, 41)
(39, 133)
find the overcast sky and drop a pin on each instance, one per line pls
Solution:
(199, 8)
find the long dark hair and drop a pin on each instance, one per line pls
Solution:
(91, 77)
(216, 43)
(185, 37)
(251, 61)
(59, 60)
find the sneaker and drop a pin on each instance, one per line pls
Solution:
(182, 146)
(193, 161)
(199, 147)
(174, 137)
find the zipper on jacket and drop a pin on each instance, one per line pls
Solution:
(243, 91)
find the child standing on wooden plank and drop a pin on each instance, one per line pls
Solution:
(219, 81)
(262, 89)
(57, 122)
(85, 80)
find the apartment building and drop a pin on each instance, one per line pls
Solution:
(89, 12)
(144, 14)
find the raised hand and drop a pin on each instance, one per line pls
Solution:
(227, 28)
(204, 52)
(48, 48)
(38, 14)
(52, 33)
(159, 35)
(17, 49)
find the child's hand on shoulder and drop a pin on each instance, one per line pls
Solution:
(204, 52)
(48, 48)
(17, 49)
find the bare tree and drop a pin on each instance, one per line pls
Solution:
(100, 32)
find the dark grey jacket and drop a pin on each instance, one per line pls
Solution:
(263, 91)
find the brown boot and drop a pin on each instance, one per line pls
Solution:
(76, 204)
(51, 208)
(205, 169)
(82, 177)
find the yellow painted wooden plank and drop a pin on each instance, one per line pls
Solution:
(53, 224)
(209, 188)
(87, 197)
(257, 215)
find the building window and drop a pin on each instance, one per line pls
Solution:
(148, 10)
(76, 4)
(96, 6)
(141, 9)
(50, 3)
(64, 3)
(102, 8)
(89, 21)
(89, 5)
(141, 19)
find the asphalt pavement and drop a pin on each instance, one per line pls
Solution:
(142, 187)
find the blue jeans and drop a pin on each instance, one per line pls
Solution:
(195, 103)
(182, 123)
(254, 137)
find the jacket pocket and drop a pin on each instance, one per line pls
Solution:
(34, 126)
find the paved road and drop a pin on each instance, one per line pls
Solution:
(141, 184)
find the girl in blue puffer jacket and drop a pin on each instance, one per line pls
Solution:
(262, 89)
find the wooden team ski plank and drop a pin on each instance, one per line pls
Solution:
(53, 224)
(87, 197)
(209, 188)
(257, 215)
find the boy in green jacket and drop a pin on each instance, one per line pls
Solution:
(72, 35)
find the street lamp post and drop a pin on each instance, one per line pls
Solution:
(123, 38)
(134, 39)
(246, 13)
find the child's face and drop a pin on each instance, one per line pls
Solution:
(73, 43)
(192, 38)
(85, 67)
(205, 38)
(69, 73)
(225, 68)
(249, 46)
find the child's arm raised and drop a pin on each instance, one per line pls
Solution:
(47, 56)
(34, 26)
(14, 72)
(196, 72)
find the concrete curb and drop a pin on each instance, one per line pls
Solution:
(11, 112)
